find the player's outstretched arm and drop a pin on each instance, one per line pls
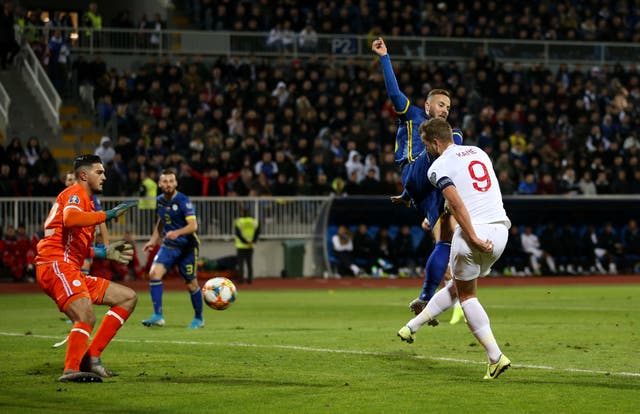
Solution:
(379, 47)
(398, 99)
(120, 209)
(403, 198)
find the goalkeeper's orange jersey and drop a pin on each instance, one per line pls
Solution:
(69, 228)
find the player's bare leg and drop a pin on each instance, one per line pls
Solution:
(445, 232)
(436, 269)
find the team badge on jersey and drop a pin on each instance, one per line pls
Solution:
(174, 207)
(74, 199)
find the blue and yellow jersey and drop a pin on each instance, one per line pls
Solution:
(96, 203)
(174, 214)
(409, 145)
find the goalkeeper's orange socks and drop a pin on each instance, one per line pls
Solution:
(113, 320)
(77, 345)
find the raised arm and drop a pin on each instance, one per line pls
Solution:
(399, 100)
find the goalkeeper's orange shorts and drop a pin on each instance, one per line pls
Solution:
(65, 283)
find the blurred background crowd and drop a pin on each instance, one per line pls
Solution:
(310, 126)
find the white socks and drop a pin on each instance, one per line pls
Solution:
(478, 322)
(439, 303)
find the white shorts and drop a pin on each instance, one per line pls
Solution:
(534, 251)
(467, 263)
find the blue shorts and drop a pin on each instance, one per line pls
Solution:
(425, 196)
(186, 258)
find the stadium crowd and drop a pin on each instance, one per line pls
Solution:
(249, 126)
(588, 20)
(316, 127)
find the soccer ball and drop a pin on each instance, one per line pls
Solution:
(219, 293)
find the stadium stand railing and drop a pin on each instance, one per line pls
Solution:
(38, 81)
(280, 217)
(193, 42)
(5, 102)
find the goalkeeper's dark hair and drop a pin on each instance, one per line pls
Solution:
(85, 160)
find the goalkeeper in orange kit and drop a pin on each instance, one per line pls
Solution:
(68, 233)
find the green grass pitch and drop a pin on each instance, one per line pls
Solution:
(575, 349)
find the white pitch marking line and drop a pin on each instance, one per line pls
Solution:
(341, 351)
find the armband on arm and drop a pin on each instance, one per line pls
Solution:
(443, 183)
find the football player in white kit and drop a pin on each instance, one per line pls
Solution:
(470, 187)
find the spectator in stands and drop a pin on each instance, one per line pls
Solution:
(321, 187)
(370, 185)
(9, 47)
(404, 252)
(157, 25)
(514, 258)
(92, 19)
(609, 248)
(288, 36)
(43, 187)
(14, 151)
(547, 185)
(587, 185)
(274, 40)
(569, 185)
(105, 109)
(267, 166)
(603, 186)
(342, 244)
(283, 186)
(531, 246)
(32, 150)
(6, 181)
(507, 186)
(105, 151)
(620, 184)
(281, 93)
(631, 244)
(355, 165)
(308, 39)
(14, 251)
(528, 185)
(384, 246)
(572, 255)
(22, 184)
(364, 249)
(592, 250)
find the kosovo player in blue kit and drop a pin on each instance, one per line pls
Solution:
(177, 224)
(414, 162)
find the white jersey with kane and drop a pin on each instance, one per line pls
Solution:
(470, 170)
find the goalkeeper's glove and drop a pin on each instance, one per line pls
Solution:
(119, 251)
(120, 209)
